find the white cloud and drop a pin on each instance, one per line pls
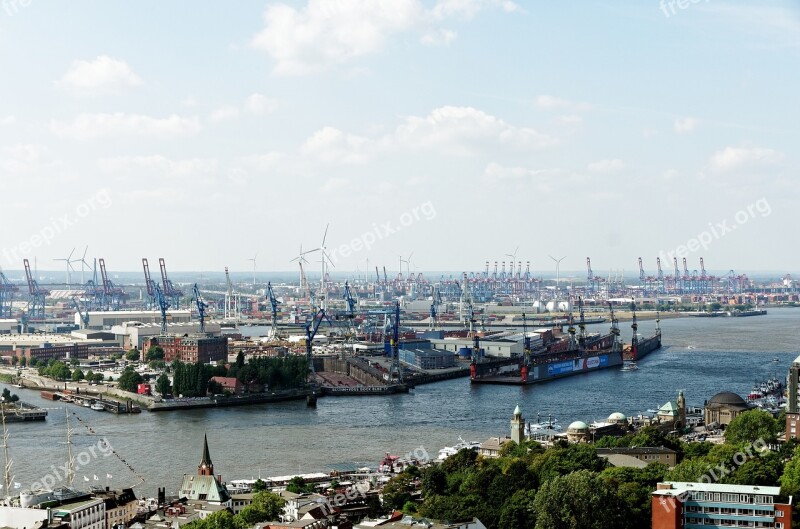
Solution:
(608, 166)
(334, 146)
(6, 121)
(260, 104)
(101, 75)
(464, 130)
(91, 126)
(439, 37)
(225, 113)
(685, 125)
(557, 103)
(331, 32)
(262, 162)
(732, 158)
(189, 101)
(157, 165)
(648, 133)
(25, 158)
(469, 8)
(569, 120)
(334, 184)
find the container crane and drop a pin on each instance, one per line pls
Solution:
(231, 311)
(201, 308)
(84, 314)
(163, 305)
(112, 294)
(273, 303)
(434, 312)
(174, 294)
(150, 284)
(36, 295)
(660, 277)
(7, 290)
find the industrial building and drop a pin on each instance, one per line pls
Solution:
(100, 320)
(698, 505)
(9, 326)
(47, 346)
(132, 334)
(192, 348)
(418, 355)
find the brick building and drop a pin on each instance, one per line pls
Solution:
(192, 348)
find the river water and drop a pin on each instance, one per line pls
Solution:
(701, 356)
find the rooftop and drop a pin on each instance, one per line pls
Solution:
(679, 487)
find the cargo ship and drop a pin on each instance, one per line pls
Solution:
(563, 356)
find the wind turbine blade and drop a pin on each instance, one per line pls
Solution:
(326, 234)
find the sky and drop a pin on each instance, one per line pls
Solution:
(443, 133)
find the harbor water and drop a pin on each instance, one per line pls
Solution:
(701, 356)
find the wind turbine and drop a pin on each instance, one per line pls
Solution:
(254, 267)
(513, 259)
(408, 264)
(558, 264)
(83, 264)
(68, 262)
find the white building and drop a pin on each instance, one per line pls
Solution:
(105, 320)
(132, 334)
(86, 514)
(9, 326)
(21, 518)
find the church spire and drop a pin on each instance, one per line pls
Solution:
(206, 467)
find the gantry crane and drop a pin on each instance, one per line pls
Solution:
(83, 314)
(311, 331)
(112, 294)
(36, 295)
(201, 308)
(7, 290)
(174, 294)
(163, 305)
(150, 284)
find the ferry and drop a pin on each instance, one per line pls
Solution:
(448, 451)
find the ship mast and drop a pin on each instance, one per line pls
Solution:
(635, 337)
(7, 479)
(616, 346)
(70, 458)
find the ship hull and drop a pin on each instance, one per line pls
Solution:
(644, 348)
(546, 371)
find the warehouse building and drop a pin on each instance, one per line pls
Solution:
(191, 348)
(105, 320)
(133, 334)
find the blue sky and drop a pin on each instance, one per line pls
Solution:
(206, 132)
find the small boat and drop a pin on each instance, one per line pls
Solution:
(98, 407)
(87, 404)
(690, 346)
(775, 360)
(630, 366)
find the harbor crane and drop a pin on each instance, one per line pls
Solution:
(660, 277)
(112, 294)
(635, 337)
(581, 323)
(174, 294)
(84, 314)
(36, 295)
(273, 303)
(201, 308)
(434, 312)
(311, 331)
(150, 284)
(231, 311)
(7, 290)
(163, 305)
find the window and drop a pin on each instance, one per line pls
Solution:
(779, 514)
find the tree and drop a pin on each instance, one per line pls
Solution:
(266, 506)
(129, 380)
(155, 352)
(132, 355)
(260, 485)
(580, 500)
(162, 385)
(790, 480)
(298, 485)
(74, 361)
(519, 511)
(77, 375)
(24, 361)
(397, 491)
(752, 426)
(8, 397)
(14, 360)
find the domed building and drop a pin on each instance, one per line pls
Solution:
(618, 419)
(724, 407)
(578, 432)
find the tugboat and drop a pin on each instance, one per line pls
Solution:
(311, 400)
